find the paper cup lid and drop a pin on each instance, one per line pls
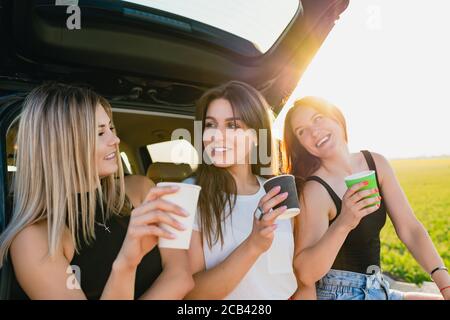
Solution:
(279, 176)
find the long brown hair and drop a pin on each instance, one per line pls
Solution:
(218, 186)
(56, 178)
(296, 159)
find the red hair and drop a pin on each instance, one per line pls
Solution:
(296, 159)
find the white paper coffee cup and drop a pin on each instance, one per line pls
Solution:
(186, 197)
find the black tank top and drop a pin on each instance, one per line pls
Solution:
(361, 248)
(95, 261)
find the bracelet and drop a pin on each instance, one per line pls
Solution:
(442, 290)
(436, 269)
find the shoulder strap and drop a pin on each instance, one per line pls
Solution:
(369, 160)
(337, 201)
(371, 163)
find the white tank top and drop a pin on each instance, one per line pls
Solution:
(271, 277)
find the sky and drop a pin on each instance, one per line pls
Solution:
(386, 65)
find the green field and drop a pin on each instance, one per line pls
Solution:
(426, 183)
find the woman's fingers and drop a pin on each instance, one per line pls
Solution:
(354, 189)
(362, 194)
(367, 202)
(157, 192)
(274, 191)
(156, 217)
(145, 230)
(272, 202)
(268, 218)
(160, 205)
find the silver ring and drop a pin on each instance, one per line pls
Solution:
(261, 212)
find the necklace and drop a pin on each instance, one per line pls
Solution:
(104, 226)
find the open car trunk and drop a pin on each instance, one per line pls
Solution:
(130, 51)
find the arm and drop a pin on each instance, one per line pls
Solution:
(216, 283)
(175, 281)
(176, 278)
(47, 278)
(221, 280)
(44, 277)
(303, 292)
(318, 244)
(410, 231)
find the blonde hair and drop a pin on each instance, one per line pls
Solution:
(56, 177)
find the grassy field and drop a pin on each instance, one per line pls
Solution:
(427, 185)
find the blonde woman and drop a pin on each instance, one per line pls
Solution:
(74, 210)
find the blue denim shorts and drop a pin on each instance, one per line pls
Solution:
(346, 285)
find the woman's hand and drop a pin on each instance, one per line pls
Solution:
(354, 206)
(262, 233)
(144, 229)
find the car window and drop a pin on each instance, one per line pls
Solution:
(175, 151)
(257, 21)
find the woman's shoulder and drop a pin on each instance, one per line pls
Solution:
(35, 234)
(377, 157)
(314, 190)
(382, 164)
(33, 241)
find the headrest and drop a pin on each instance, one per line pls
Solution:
(165, 171)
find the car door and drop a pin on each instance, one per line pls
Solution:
(9, 111)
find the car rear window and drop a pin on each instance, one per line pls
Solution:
(259, 21)
(174, 151)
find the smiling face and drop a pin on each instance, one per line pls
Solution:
(107, 143)
(226, 138)
(317, 133)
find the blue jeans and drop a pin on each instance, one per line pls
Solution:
(346, 285)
